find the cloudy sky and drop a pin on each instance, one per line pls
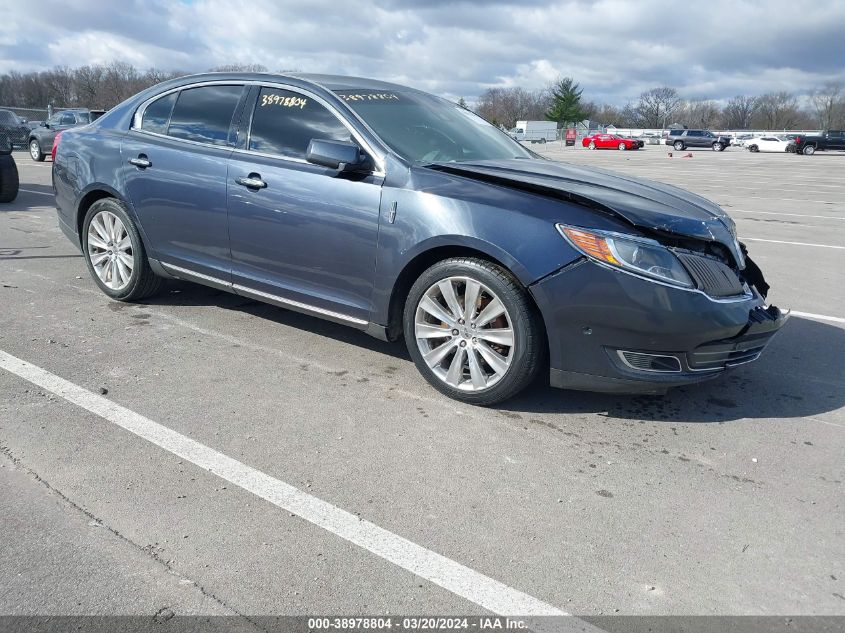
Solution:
(615, 49)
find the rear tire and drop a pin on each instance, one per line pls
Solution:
(141, 282)
(35, 150)
(809, 150)
(678, 146)
(8, 179)
(466, 366)
(592, 145)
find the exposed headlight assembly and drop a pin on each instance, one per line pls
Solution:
(640, 256)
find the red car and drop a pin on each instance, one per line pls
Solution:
(610, 141)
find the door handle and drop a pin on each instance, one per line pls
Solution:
(253, 181)
(142, 162)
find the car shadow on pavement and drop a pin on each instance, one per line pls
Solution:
(179, 293)
(799, 375)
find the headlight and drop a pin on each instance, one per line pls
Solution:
(641, 256)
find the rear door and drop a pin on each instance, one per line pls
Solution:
(836, 139)
(306, 236)
(695, 138)
(174, 167)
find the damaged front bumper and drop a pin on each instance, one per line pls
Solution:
(614, 332)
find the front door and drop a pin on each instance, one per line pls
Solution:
(306, 234)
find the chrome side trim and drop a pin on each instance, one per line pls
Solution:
(178, 270)
(299, 306)
(290, 303)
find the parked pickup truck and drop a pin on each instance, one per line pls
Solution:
(829, 139)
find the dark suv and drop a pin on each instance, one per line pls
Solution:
(682, 139)
(13, 128)
(40, 141)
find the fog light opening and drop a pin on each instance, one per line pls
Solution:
(650, 362)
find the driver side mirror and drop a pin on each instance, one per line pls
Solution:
(46, 124)
(342, 155)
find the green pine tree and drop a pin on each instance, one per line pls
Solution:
(566, 103)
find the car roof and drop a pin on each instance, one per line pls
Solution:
(342, 82)
(327, 81)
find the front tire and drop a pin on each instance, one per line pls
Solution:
(622, 147)
(35, 150)
(718, 147)
(678, 146)
(114, 253)
(472, 331)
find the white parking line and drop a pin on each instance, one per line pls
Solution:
(467, 583)
(757, 239)
(818, 317)
(39, 193)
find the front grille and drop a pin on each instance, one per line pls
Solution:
(725, 354)
(712, 276)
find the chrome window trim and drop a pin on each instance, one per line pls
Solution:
(178, 270)
(138, 117)
(378, 157)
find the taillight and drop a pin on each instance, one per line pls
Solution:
(797, 139)
(55, 145)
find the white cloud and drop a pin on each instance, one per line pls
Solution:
(614, 48)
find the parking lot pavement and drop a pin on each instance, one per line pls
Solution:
(249, 440)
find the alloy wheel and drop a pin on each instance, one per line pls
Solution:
(34, 150)
(110, 250)
(464, 333)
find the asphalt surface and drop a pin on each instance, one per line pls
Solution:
(723, 498)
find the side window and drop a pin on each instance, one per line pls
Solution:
(284, 122)
(694, 133)
(157, 115)
(205, 114)
(67, 119)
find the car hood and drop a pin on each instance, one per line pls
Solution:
(643, 203)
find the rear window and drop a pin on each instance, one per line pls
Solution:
(8, 117)
(205, 114)
(157, 115)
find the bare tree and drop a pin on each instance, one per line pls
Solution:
(738, 112)
(656, 106)
(698, 114)
(777, 111)
(506, 106)
(829, 104)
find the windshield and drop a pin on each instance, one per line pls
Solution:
(425, 129)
